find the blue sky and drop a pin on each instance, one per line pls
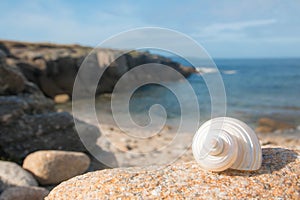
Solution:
(226, 28)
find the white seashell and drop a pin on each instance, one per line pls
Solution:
(223, 143)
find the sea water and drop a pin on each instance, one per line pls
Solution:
(254, 88)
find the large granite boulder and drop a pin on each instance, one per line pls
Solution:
(278, 178)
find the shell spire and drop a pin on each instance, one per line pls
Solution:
(223, 143)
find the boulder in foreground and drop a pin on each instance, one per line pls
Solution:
(51, 167)
(277, 178)
(12, 174)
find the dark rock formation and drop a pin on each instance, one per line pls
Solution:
(53, 68)
(11, 80)
(28, 120)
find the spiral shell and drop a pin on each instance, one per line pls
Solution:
(223, 143)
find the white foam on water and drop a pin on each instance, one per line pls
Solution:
(229, 72)
(206, 70)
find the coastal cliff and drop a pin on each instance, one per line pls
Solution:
(53, 67)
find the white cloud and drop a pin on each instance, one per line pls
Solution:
(236, 26)
(231, 30)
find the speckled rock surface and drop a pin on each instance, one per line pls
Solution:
(279, 177)
(24, 193)
(51, 167)
(12, 174)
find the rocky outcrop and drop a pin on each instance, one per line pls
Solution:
(32, 126)
(29, 121)
(32, 72)
(11, 81)
(52, 167)
(53, 68)
(277, 178)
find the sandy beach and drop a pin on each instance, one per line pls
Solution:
(159, 149)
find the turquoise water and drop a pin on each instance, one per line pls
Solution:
(254, 88)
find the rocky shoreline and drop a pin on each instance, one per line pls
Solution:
(32, 77)
(40, 148)
(53, 67)
(31, 74)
